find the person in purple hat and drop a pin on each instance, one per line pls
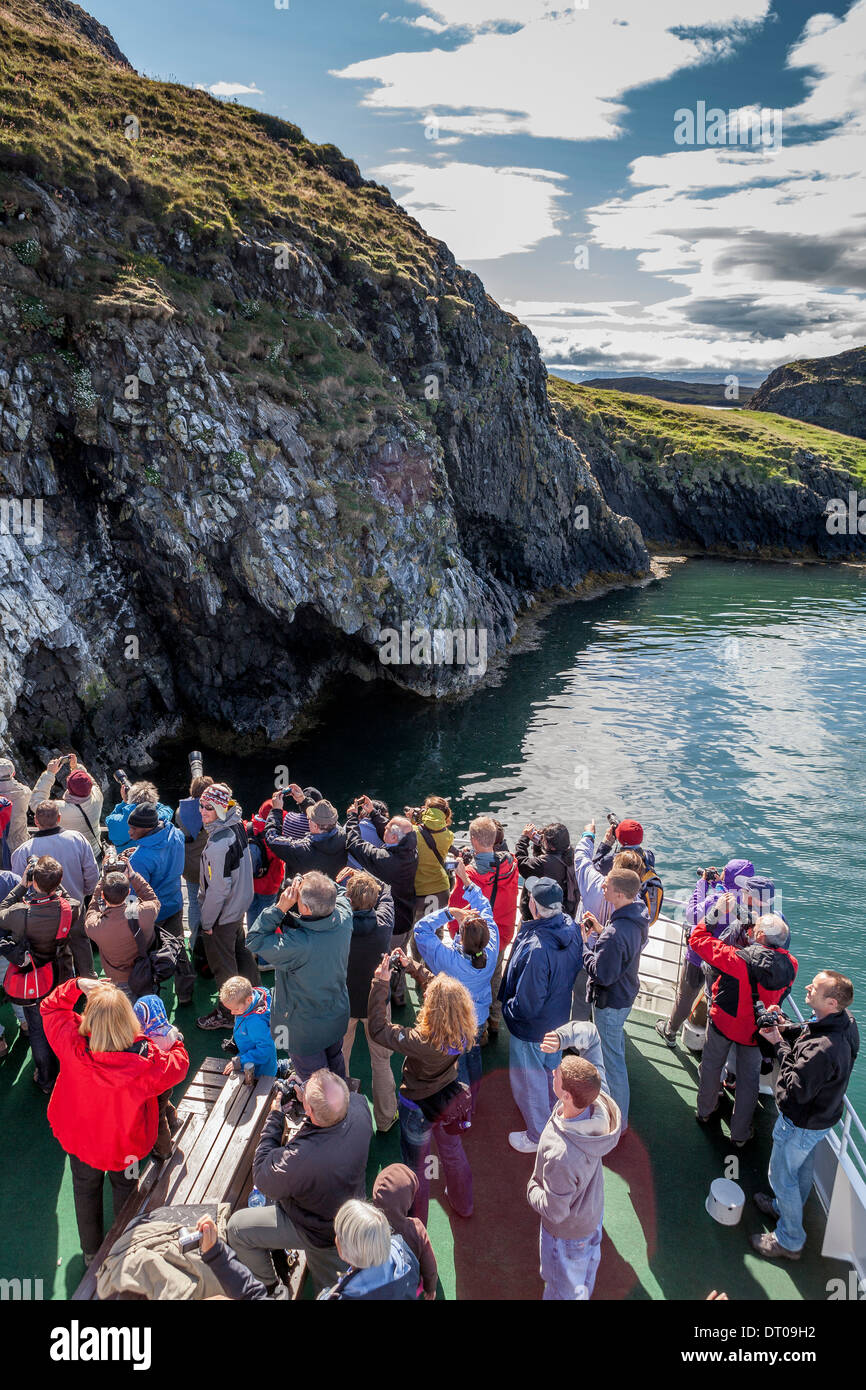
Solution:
(711, 884)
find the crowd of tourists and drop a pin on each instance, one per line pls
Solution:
(544, 940)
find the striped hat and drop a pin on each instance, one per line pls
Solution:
(218, 796)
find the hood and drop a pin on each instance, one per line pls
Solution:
(772, 966)
(394, 1190)
(598, 1133)
(560, 931)
(395, 1267)
(364, 922)
(433, 819)
(632, 912)
(261, 1003)
(233, 817)
(736, 873)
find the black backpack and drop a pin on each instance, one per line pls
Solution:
(155, 964)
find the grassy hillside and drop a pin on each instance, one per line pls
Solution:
(201, 164)
(697, 440)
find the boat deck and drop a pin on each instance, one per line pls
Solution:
(659, 1241)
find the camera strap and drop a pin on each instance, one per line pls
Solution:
(431, 844)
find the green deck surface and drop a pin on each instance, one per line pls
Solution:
(659, 1242)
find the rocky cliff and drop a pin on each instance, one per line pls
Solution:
(250, 416)
(828, 391)
(709, 480)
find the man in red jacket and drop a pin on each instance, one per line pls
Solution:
(497, 875)
(763, 971)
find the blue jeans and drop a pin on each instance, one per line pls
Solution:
(193, 913)
(792, 1163)
(611, 1030)
(17, 1009)
(530, 1072)
(415, 1136)
(46, 1063)
(569, 1267)
(330, 1058)
(469, 1070)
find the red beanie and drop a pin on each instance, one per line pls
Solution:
(629, 832)
(79, 784)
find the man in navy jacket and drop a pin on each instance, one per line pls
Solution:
(536, 998)
(611, 958)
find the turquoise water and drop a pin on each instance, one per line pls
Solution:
(721, 707)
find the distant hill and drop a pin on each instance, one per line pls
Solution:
(828, 391)
(683, 392)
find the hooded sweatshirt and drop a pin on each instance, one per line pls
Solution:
(734, 876)
(394, 1191)
(430, 877)
(19, 795)
(450, 960)
(310, 956)
(567, 1184)
(226, 875)
(159, 858)
(115, 822)
(252, 1036)
(536, 988)
(81, 813)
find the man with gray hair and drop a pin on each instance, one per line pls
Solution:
(80, 871)
(750, 980)
(309, 1175)
(323, 850)
(306, 937)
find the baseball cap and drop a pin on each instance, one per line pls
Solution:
(545, 891)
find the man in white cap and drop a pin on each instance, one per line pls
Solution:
(19, 795)
(225, 892)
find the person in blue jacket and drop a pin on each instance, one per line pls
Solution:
(536, 999)
(158, 855)
(472, 960)
(251, 1007)
(381, 1265)
(136, 794)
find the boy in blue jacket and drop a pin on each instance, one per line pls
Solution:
(251, 1006)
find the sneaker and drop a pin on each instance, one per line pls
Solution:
(765, 1203)
(215, 1019)
(230, 1046)
(521, 1141)
(769, 1247)
(662, 1029)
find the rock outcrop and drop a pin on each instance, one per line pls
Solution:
(828, 391)
(251, 416)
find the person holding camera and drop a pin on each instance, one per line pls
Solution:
(433, 833)
(132, 794)
(158, 856)
(817, 1059)
(82, 798)
(308, 1177)
(225, 893)
(749, 980)
(544, 853)
(35, 927)
(80, 871)
(306, 936)
(432, 1100)
(494, 870)
(188, 820)
(108, 919)
(104, 1111)
(710, 885)
(322, 851)
(396, 864)
(18, 794)
(372, 929)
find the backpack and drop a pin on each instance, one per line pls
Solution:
(235, 851)
(651, 891)
(28, 983)
(259, 853)
(156, 964)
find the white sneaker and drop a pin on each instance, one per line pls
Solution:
(521, 1141)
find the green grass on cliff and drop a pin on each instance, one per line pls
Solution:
(206, 164)
(698, 440)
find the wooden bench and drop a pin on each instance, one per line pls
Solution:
(221, 1122)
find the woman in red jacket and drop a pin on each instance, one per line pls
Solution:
(103, 1109)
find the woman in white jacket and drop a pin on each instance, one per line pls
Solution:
(82, 800)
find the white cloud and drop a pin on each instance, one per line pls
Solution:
(229, 89)
(482, 213)
(561, 73)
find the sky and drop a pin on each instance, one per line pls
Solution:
(673, 187)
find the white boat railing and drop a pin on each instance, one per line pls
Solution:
(840, 1160)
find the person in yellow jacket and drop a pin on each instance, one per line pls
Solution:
(435, 838)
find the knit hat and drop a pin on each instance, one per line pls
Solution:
(313, 793)
(150, 1012)
(434, 818)
(79, 784)
(7, 767)
(218, 796)
(144, 817)
(629, 832)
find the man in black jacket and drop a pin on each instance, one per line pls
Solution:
(396, 865)
(322, 1165)
(816, 1063)
(323, 850)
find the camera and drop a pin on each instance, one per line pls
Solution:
(394, 960)
(413, 813)
(188, 1240)
(121, 777)
(196, 765)
(765, 1019)
(30, 870)
(289, 802)
(711, 875)
(612, 820)
(113, 863)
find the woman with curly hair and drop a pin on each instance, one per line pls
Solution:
(432, 1101)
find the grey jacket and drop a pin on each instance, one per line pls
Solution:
(19, 795)
(71, 850)
(567, 1184)
(226, 871)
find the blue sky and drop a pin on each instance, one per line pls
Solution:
(556, 146)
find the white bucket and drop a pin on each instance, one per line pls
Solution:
(725, 1202)
(694, 1038)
